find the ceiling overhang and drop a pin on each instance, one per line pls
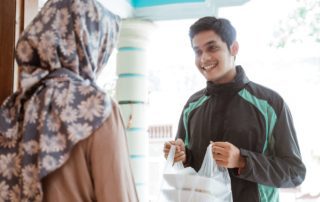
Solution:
(179, 9)
(165, 9)
(168, 9)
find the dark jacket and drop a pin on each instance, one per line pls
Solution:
(257, 121)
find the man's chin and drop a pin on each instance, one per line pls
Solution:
(212, 79)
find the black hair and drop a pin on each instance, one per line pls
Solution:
(220, 26)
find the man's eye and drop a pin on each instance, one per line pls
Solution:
(197, 52)
(213, 48)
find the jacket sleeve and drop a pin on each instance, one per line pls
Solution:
(281, 165)
(110, 163)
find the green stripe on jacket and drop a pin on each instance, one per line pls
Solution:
(267, 193)
(186, 113)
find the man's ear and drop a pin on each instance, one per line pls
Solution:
(234, 48)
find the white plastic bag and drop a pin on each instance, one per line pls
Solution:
(211, 184)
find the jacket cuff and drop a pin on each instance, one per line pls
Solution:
(242, 172)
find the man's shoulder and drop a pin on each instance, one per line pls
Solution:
(262, 92)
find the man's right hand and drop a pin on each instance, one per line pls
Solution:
(180, 154)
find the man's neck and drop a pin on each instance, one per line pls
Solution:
(229, 77)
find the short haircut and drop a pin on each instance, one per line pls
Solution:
(220, 26)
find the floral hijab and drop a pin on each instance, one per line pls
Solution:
(59, 104)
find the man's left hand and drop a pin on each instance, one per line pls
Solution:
(227, 155)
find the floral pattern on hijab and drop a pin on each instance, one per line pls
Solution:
(59, 55)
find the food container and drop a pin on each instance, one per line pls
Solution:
(186, 196)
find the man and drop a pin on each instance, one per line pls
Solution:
(250, 126)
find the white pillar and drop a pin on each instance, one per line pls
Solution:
(131, 93)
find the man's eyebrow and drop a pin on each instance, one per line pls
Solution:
(212, 42)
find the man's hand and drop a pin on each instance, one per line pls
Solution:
(180, 154)
(227, 155)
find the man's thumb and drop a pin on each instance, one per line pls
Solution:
(179, 142)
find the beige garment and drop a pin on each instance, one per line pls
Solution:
(97, 170)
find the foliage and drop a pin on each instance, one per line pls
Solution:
(302, 24)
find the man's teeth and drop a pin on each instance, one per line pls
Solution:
(208, 67)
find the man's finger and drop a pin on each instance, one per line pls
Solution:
(219, 150)
(179, 154)
(179, 141)
(221, 144)
(223, 153)
(166, 148)
(218, 157)
(167, 145)
(180, 158)
(221, 163)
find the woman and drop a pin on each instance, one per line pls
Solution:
(61, 137)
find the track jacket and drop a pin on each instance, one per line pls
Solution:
(257, 121)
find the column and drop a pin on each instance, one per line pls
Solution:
(132, 95)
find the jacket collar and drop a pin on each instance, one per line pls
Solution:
(237, 84)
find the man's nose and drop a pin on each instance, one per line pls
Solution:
(205, 57)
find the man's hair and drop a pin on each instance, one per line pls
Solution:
(220, 26)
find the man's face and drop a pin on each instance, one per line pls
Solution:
(212, 57)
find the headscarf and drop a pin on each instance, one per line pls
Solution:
(59, 104)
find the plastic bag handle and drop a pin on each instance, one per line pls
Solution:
(170, 161)
(169, 165)
(170, 158)
(209, 165)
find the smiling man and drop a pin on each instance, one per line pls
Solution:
(249, 126)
